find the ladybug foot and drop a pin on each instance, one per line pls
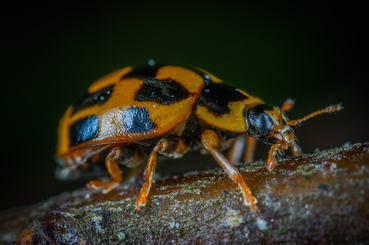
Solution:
(140, 202)
(98, 184)
(250, 200)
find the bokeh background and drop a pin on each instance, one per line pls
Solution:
(311, 52)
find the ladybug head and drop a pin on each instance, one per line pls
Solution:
(269, 124)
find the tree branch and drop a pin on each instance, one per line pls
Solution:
(321, 197)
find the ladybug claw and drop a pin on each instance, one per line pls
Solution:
(98, 184)
(138, 209)
(279, 151)
(250, 200)
(140, 202)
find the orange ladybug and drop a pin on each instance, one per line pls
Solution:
(168, 110)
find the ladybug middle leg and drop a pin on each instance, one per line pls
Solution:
(235, 151)
(173, 147)
(245, 144)
(248, 155)
(126, 155)
(211, 142)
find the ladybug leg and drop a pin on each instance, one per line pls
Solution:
(235, 152)
(248, 155)
(296, 149)
(272, 156)
(247, 146)
(114, 171)
(211, 142)
(169, 147)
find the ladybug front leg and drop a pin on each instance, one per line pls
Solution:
(211, 142)
(169, 147)
(274, 150)
(114, 171)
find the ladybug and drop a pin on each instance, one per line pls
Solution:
(137, 113)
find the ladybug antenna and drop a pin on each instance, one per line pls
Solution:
(329, 109)
(287, 105)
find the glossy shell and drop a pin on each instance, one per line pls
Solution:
(129, 105)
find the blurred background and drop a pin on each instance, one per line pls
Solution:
(310, 52)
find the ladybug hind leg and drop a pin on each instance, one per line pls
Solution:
(126, 155)
(173, 147)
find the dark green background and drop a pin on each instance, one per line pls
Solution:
(311, 52)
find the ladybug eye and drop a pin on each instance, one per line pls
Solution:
(264, 124)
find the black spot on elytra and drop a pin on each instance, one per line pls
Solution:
(217, 96)
(136, 120)
(164, 91)
(83, 130)
(143, 72)
(97, 98)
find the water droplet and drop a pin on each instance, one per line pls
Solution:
(152, 62)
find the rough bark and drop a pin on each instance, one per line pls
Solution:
(315, 198)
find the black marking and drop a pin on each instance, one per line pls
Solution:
(136, 120)
(217, 96)
(164, 91)
(260, 108)
(143, 72)
(83, 130)
(97, 98)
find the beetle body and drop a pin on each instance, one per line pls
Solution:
(167, 110)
